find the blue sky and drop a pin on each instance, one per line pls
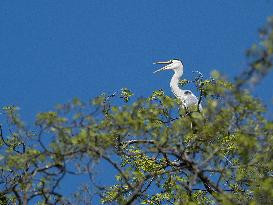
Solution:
(52, 51)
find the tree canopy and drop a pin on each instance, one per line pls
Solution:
(161, 153)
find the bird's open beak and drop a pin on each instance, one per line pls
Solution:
(163, 68)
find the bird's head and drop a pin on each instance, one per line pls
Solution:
(173, 64)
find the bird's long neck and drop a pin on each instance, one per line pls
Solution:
(174, 83)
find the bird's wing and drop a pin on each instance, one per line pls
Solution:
(191, 99)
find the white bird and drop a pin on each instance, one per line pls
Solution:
(187, 98)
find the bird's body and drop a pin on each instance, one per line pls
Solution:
(187, 98)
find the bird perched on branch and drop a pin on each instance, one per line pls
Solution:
(187, 98)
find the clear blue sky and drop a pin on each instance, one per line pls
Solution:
(52, 51)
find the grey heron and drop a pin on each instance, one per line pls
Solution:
(187, 98)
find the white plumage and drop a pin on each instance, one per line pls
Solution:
(187, 98)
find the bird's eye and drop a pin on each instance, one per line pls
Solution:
(187, 92)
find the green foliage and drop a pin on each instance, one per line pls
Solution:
(161, 152)
(126, 94)
(260, 57)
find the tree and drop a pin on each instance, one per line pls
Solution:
(161, 154)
